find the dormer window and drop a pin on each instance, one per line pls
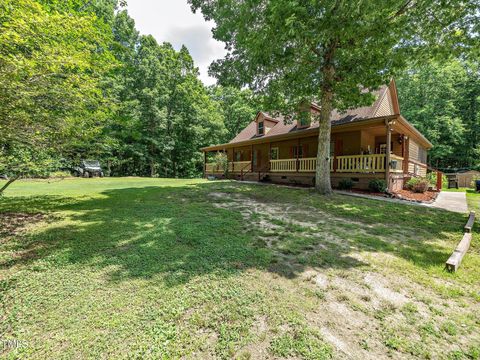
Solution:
(260, 128)
(304, 120)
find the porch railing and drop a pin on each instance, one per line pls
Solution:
(374, 163)
(212, 168)
(283, 165)
(240, 166)
(361, 163)
(396, 163)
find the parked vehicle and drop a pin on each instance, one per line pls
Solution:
(88, 168)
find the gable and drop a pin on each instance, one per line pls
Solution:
(385, 106)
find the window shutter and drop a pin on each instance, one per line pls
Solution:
(291, 152)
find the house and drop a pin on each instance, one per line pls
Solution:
(373, 142)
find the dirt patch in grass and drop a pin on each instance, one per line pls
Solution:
(16, 223)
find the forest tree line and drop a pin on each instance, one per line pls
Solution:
(78, 81)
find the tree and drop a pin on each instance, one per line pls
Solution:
(50, 69)
(163, 113)
(237, 106)
(329, 51)
(442, 99)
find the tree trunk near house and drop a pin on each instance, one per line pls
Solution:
(322, 175)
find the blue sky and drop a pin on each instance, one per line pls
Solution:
(173, 21)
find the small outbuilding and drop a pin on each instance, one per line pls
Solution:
(465, 178)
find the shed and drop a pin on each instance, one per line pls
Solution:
(465, 178)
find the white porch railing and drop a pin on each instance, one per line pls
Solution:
(283, 165)
(397, 163)
(361, 163)
(374, 163)
(307, 164)
(344, 164)
(239, 166)
(212, 168)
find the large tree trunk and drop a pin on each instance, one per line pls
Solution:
(322, 175)
(8, 183)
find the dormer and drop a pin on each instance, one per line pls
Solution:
(264, 123)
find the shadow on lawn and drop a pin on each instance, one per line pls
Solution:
(177, 234)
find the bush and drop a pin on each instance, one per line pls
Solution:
(59, 174)
(432, 178)
(345, 184)
(377, 185)
(418, 184)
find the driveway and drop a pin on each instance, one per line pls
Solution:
(451, 201)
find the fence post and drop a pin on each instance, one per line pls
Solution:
(439, 180)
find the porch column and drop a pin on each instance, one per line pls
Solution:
(233, 160)
(405, 154)
(204, 164)
(269, 155)
(388, 151)
(298, 151)
(251, 157)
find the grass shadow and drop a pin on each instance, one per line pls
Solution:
(177, 233)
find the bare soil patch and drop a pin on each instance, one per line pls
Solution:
(16, 223)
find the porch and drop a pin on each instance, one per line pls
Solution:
(371, 163)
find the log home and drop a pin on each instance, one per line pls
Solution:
(366, 143)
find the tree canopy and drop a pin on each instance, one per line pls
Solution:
(442, 99)
(330, 52)
(78, 81)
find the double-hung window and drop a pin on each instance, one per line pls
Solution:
(261, 128)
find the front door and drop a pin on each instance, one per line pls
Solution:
(256, 159)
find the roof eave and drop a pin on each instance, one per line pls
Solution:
(293, 134)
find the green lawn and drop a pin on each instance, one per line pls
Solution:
(161, 268)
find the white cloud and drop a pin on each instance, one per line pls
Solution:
(174, 22)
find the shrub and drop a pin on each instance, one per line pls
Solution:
(59, 174)
(377, 185)
(432, 178)
(345, 184)
(221, 162)
(418, 184)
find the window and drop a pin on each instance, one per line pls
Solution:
(261, 128)
(238, 156)
(304, 120)
(274, 153)
(255, 158)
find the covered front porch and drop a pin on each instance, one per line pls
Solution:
(370, 163)
(372, 150)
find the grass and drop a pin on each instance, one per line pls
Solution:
(164, 268)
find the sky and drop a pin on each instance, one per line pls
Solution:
(173, 21)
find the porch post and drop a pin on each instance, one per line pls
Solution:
(298, 151)
(204, 164)
(387, 155)
(269, 155)
(251, 157)
(405, 154)
(439, 181)
(233, 160)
